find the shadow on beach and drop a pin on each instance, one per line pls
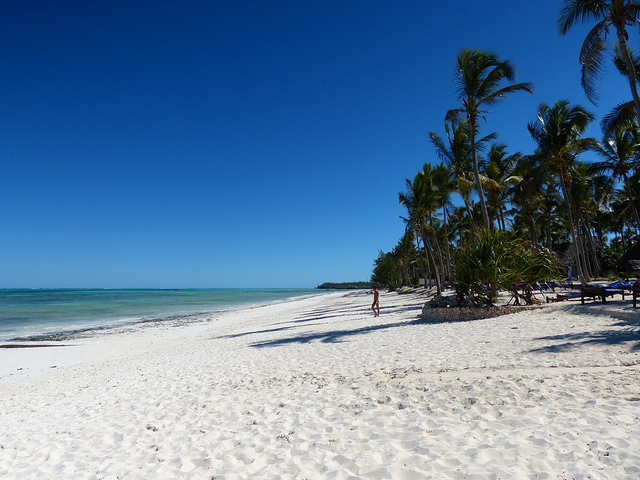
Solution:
(628, 335)
(332, 336)
(322, 316)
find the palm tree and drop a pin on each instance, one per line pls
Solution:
(558, 132)
(586, 185)
(455, 154)
(624, 114)
(479, 76)
(535, 199)
(620, 153)
(424, 195)
(616, 14)
(499, 177)
(404, 254)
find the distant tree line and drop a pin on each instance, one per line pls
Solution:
(345, 286)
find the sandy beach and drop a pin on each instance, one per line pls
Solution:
(318, 388)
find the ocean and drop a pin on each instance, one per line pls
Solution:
(59, 314)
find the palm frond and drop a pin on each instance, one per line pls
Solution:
(622, 115)
(579, 11)
(592, 59)
(498, 95)
(621, 65)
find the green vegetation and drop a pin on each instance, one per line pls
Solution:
(571, 204)
(499, 260)
(345, 286)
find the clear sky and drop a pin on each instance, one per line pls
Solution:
(247, 143)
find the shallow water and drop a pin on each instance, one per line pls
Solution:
(58, 313)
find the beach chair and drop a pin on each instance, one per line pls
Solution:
(595, 292)
(561, 297)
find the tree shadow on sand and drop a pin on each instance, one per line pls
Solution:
(331, 336)
(327, 314)
(628, 334)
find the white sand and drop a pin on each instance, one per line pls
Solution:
(319, 388)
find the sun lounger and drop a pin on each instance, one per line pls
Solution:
(601, 291)
(561, 297)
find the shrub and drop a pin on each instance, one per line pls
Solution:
(499, 260)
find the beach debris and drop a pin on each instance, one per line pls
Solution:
(286, 436)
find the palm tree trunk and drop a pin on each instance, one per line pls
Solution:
(476, 172)
(448, 243)
(423, 263)
(622, 41)
(632, 200)
(467, 205)
(440, 258)
(573, 233)
(531, 222)
(594, 264)
(429, 249)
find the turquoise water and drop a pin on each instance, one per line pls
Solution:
(63, 313)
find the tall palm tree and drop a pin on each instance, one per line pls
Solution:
(423, 197)
(535, 200)
(455, 153)
(586, 185)
(499, 177)
(479, 76)
(616, 14)
(621, 157)
(624, 114)
(558, 133)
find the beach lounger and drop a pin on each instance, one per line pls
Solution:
(602, 292)
(561, 297)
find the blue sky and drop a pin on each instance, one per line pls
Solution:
(241, 143)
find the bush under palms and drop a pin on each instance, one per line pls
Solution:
(500, 261)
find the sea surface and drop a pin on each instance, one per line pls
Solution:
(59, 314)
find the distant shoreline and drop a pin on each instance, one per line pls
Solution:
(345, 286)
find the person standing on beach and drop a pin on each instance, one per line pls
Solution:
(376, 302)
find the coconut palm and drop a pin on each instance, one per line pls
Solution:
(586, 187)
(621, 157)
(558, 133)
(624, 114)
(479, 77)
(424, 195)
(609, 14)
(499, 177)
(455, 153)
(535, 199)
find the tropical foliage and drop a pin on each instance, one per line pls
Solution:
(499, 260)
(482, 217)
